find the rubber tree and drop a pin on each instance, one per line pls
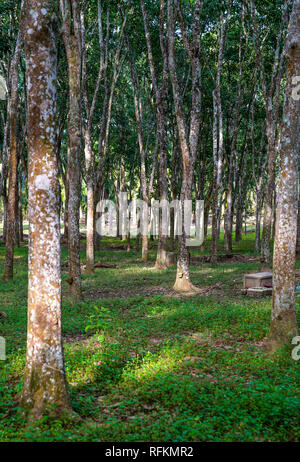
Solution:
(188, 139)
(13, 100)
(44, 385)
(284, 319)
(71, 33)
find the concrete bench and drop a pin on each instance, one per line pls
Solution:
(257, 280)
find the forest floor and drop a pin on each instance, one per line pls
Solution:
(145, 364)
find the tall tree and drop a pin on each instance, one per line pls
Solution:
(160, 94)
(188, 140)
(271, 94)
(284, 319)
(44, 389)
(72, 40)
(88, 150)
(218, 137)
(13, 100)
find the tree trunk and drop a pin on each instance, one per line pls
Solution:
(271, 95)
(298, 227)
(66, 215)
(161, 121)
(44, 386)
(12, 162)
(218, 140)
(258, 215)
(268, 209)
(20, 210)
(188, 144)
(284, 318)
(71, 37)
(90, 232)
(4, 199)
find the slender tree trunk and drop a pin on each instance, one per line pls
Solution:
(161, 120)
(144, 183)
(66, 215)
(268, 209)
(298, 227)
(17, 216)
(284, 319)
(12, 162)
(272, 102)
(258, 215)
(4, 199)
(3, 175)
(44, 385)
(238, 222)
(176, 169)
(90, 232)
(229, 208)
(218, 142)
(71, 36)
(20, 209)
(189, 144)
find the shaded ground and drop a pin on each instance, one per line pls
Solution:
(144, 364)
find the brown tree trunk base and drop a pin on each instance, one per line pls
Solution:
(160, 266)
(145, 248)
(283, 330)
(265, 267)
(75, 293)
(39, 392)
(161, 258)
(184, 285)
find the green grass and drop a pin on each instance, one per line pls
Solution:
(148, 367)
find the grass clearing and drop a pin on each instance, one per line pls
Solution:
(144, 364)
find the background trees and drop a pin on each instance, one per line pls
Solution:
(237, 72)
(163, 100)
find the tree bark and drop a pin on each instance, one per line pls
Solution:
(161, 94)
(298, 227)
(72, 42)
(188, 144)
(12, 161)
(218, 139)
(284, 319)
(271, 95)
(44, 386)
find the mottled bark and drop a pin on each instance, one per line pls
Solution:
(298, 227)
(145, 189)
(284, 319)
(66, 208)
(176, 169)
(241, 178)
(90, 222)
(271, 95)
(188, 141)
(259, 185)
(44, 385)
(161, 93)
(12, 162)
(21, 236)
(88, 150)
(218, 139)
(232, 155)
(72, 42)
